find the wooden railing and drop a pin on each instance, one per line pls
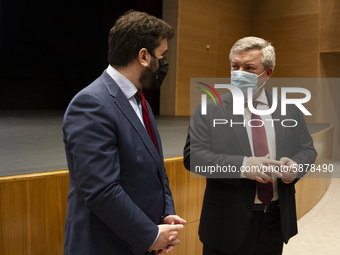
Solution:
(33, 206)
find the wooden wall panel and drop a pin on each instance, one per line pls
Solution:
(187, 191)
(329, 94)
(296, 43)
(195, 22)
(36, 215)
(13, 218)
(216, 23)
(233, 24)
(329, 26)
(283, 8)
(56, 195)
(190, 243)
(33, 211)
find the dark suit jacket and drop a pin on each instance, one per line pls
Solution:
(119, 189)
(228, 202)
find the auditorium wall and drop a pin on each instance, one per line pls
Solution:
(304, 33)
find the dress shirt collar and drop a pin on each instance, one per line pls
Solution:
(125, 85)
(262, 98)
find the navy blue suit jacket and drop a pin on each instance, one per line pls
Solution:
(228, 202)
(119, 191)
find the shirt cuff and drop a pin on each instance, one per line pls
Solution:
(156, 237)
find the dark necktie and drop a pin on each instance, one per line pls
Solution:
(146, 117)
(264, 190)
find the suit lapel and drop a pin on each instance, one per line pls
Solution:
(239, 129)
(124, 105)
(158, 140)
(155, 130)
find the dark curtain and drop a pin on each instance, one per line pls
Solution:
(51, 49)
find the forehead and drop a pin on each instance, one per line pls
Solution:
(253, 56)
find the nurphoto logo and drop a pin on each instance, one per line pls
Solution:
(239, 100)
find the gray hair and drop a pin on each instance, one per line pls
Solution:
(251, 43)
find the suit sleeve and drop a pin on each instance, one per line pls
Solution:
(90, 137)
(305, 154)
(198, 151)
(169, 203)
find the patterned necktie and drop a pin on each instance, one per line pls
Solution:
(264, 190)
(146, 118)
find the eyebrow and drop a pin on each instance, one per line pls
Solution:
(164, 53)
(246, 63)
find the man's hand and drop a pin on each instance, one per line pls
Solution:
(258, 168)
(173, 220)
(289, 170)
(167, 238)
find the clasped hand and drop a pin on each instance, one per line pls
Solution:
(264, 169)
(168, 233)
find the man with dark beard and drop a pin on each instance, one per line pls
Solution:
(119, 199)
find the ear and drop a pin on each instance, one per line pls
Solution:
(144, 57)
(269, 72)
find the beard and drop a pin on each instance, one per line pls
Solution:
(147, 77)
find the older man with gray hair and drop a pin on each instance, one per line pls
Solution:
(251, 210)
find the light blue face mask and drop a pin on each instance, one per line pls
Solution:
(244, 80)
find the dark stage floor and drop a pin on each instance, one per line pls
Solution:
(31, 140)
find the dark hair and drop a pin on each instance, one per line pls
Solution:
(134, 31)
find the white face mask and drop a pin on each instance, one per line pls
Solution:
(244, 80)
